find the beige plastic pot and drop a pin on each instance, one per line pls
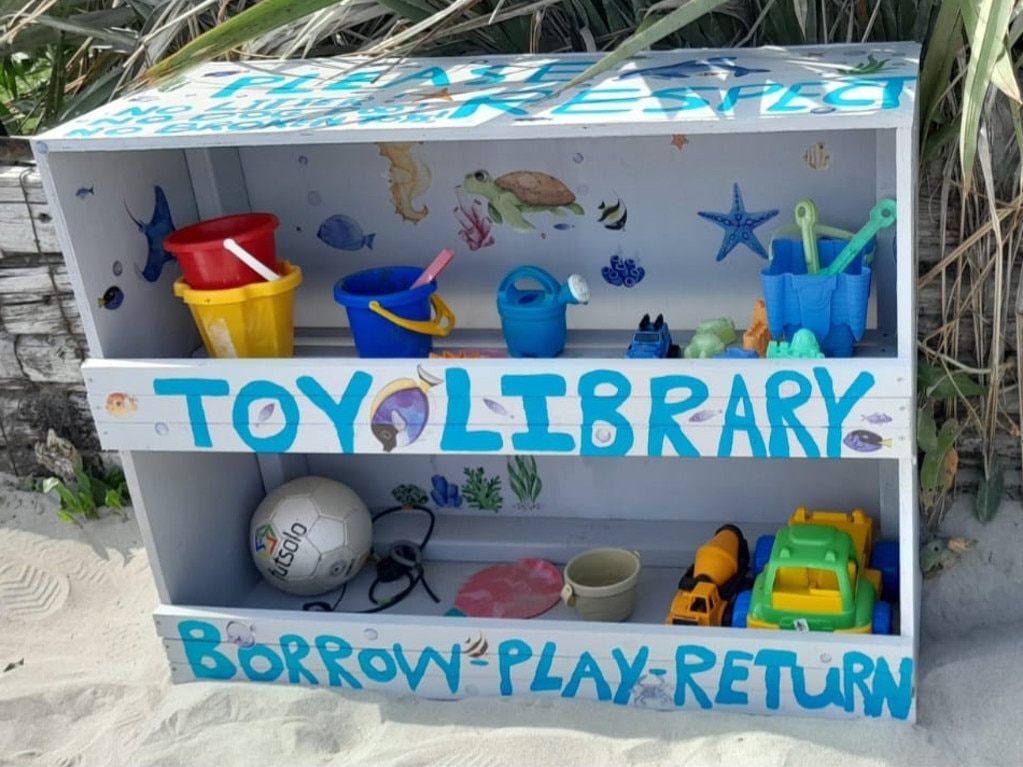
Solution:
(601, 584)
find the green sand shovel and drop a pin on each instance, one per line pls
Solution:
(882, 215)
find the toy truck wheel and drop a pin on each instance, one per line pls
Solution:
(885, 557)
(882, 620)
(762, 553)
(740, 609)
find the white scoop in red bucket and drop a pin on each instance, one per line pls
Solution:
(250, 260)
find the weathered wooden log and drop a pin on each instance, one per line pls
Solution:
(26, 224)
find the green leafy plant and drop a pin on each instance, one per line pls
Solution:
(937, 389)
(481, 492)
(410, 495)
(524, 480)
(88, 494)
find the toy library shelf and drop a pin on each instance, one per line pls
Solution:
(651, 455)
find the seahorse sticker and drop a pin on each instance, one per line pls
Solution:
(408, 179)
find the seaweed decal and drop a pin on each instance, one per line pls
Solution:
(524, 480)
(410, 495)
(483, 493)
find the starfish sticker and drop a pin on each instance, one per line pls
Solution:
(159, 226)
(442, 95)
(678, 141)
(739, 224)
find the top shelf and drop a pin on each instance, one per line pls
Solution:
(353, 100)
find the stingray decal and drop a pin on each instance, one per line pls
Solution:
(715, 65)
(408, 179)
(401, 410)
(158, 227)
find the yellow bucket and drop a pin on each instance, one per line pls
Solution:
(255, 320)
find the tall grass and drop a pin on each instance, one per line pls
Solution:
(59, 58)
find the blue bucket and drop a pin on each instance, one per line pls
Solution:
(387, 318)
(833, 307)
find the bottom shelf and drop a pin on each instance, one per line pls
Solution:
(659, 666)
(415, 647)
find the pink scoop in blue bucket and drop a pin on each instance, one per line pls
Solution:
(390, 318)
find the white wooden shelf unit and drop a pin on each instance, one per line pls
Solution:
(648, 454)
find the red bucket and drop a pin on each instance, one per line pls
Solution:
(207, 265)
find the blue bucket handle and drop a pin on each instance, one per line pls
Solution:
(546, 280)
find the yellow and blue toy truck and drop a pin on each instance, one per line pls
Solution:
(816, 575)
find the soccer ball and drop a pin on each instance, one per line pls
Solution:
(310, 535)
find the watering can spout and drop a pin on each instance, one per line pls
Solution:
(575, 290)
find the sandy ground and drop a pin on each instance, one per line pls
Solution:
(88, 682)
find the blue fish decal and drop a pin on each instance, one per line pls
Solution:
(112, 298)
(877, 418)
(497, 407)
(401, 410)
(703, 415)
(695, 68)
(865, 441)
(84, 191)
(344, 233)
(159, 226)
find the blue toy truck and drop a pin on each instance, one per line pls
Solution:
(652, 340)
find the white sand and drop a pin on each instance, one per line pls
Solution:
(94, 688)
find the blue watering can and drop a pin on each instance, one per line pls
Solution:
(533, 320)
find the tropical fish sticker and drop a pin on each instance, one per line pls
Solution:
(695, 68)
(401, 410)
(863, 441)
(817, 157)
(613, 217)
(85, 191)
(155, 230)
(408, 179)
(344, 233)
(476, 647)
(120, 404)
(112, 298)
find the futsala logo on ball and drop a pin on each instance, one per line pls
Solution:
(310, 535)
